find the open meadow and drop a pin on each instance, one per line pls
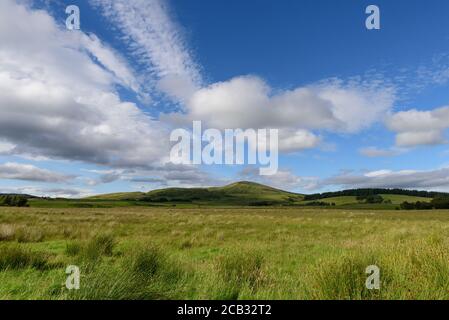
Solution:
(223, 253)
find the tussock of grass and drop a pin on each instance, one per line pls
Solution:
(26, 234)
(100, 245)
(144, 274)
(16, 257)
(344, 278)
(147, 261)
(238, 271)
(7, 232)
(73, 249)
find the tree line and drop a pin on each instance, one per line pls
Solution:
(13, 201)
(372, 192)
(437, 203)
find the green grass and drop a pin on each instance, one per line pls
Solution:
(223, 253)
(396, 199)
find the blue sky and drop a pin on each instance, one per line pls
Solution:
(90, 111)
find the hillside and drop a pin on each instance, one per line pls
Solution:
(240, 193)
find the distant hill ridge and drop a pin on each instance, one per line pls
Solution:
(253, 194)
(241, 193)
(373, 191)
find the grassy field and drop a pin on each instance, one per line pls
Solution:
(395, 199)
(213, 253)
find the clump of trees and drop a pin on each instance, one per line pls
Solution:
(13, 201)
(441, 203)
(437, 203)
(370, 198)
(320, 204)
(372, 191)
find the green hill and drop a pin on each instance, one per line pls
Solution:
(240, 193)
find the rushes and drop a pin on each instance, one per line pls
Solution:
(238, 271)
(344, 278)
(73, 249)
(101, 245)
(146, 273)
(147, 261)
(16, 257)
(7, 232)
(22, 234)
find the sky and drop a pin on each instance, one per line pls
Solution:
(91, 111)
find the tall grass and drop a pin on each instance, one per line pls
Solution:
(16, 257)
(100, 245)
(138, 253)
(145, 273)
(238, 271)
(7, 232)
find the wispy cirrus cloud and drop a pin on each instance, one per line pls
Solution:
(157, 43)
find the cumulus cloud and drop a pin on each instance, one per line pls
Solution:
(414, 127)
(27, 172)
(249, 102)
(56, 101)
(291, 140)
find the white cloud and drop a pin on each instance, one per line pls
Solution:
(111, 60)
(291, 140)
(6, 147)
(27, 172)
(56, 101)
(411, 179)
(248, 102)
(416, 128)
(156, 41)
